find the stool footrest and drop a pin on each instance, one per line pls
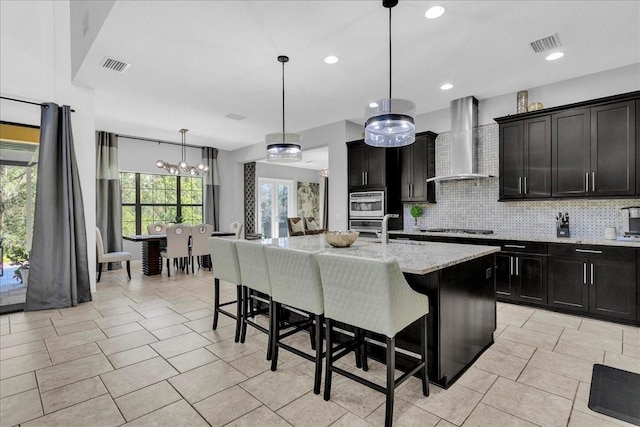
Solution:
(226, 313)
(299, 352)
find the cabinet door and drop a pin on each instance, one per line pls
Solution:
(406, 175)
(357, 160)
(571, 145)
(612, 288)
(537, 157)
(638, 156)
(532, 275)
(568, 287)
(613, 150)
(504, 276)
(419, 184)
(376, 167)
(511, 160)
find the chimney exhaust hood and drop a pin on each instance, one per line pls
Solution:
(464, 141)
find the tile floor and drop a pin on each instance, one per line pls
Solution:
(143, 353)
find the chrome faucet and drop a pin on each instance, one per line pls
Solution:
(385, 228)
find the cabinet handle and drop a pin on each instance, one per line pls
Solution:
(593, 181)
(515, 246)
(584, 272)
(511, 265)
(516, 263)
(366, 178)
(588, 251)
(362, 178)
(519, 185)
(586, 182)
(592, 274)
(525, 185)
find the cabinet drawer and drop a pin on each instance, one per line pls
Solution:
(522, 246)
(592, 251)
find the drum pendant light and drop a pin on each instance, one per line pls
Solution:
(389, 122)
(283, 147)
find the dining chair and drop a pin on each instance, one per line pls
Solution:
(295, 284)
(256, 288)
(110, 256)
(295, 226)
(156, 228)
(371, 295)
(199, 245)
(177, 245)
(311, 226)
(226, 266)
(236, 227)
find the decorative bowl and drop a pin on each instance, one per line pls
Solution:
(341, 239)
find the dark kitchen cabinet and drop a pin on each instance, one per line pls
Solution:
(367, 165)
(521, 272)
(595, 151)
(525, 158)
(418, 163)
(598, 280)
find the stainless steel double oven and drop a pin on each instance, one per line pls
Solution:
(366, 210)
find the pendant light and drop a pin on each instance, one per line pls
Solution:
(389, 122)
(283, 147)
(183, 166)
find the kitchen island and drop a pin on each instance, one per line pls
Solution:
(459, 281)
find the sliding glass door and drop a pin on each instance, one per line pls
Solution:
(276, 202)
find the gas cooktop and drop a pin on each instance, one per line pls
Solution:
(458, 230)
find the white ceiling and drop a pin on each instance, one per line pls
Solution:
(194, 62)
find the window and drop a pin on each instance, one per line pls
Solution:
(149, 198)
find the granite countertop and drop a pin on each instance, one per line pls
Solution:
(413, 257)
(528, 238)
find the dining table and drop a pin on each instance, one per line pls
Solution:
(151, 244)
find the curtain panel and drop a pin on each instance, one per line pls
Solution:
(211, 188)
(59, 273)
(108, 197)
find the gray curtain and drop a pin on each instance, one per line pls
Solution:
(108, 198)
(59, 274)
(325, 204)
(211, 182)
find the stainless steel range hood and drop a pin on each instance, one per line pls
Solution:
(464, 141)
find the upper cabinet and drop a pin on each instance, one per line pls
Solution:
(525, 158)
(418, 163)
(589, 149)
(369, 166)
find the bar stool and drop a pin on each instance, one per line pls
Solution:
(295, 283)
(255, 277)
(372, 295)
(224, 259)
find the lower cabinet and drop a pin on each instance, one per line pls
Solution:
(597, 280)
(521, 277)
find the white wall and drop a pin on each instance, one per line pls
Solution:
(86, 21)
(35, 64)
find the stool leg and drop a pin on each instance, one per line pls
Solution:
(271, 329)
(357, 336)
(216, 304)
(129, 269)
(245, 313)
(391, 367)
(168, 269)
(275, 335)
(318, 342)
(238, 311)
(423, 350)
(312, 334)
(329, 360)
(99, 271)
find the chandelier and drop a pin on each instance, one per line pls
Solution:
(183, 166)
(389, 122)
(283, 147)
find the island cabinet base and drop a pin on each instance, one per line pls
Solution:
(461, 322)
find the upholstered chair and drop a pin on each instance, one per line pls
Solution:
(295, 283)
(312, 226)
(199, 246)
(237, 228)
(296, 226)
(110, 256)
(177, 245)
(372, 295)
(157, 228)
(224, 259)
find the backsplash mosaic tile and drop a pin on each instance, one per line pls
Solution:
(474, 203)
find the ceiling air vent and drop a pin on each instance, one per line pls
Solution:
(235, 116)
(544, 44)
(115, 65)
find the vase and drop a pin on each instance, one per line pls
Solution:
(522, 101)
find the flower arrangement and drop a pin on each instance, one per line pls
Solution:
(416, 212)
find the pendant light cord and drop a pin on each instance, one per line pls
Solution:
(283, 97)
(390, 53)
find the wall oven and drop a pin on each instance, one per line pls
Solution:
(366, 227)
(368, 204)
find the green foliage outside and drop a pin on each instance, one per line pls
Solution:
(13, 211)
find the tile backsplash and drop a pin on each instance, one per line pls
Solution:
(474, 203)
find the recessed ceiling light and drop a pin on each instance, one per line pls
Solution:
(446, 86)
(555, 55)
(373, 105)
(331, 59)
(434, 12)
